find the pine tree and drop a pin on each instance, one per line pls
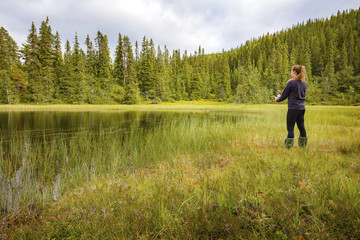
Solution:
(195, 86)
(19, 78)
(224, 88)
(145, 80)
(243, 88)
(103, 63)
(57, 65)
(307, 63)
(153, 76)
(119, 63)
(136, 52)
(177, 86)
(90, 71)
(90, 65)
(159, 80)
(187, 73)
(165, 76)
(132, 93)
(32, 66)
(11, 76)
(66, 89)
(329, 81)
(46, 53)
(78, 84)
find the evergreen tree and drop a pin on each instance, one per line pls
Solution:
(177, 85)
(103, 61)
(243, 88)
(11, 76)
(153, 75)
(144, 69)
(90, 74)
(165, 76)
(57, 65)
(132, 93)
(159, 80)
(187, 74)
(32, 66)
(90, 65)
(77, 73)
(328, 80)
(66, 88)
(223, 79)
(46, 58)
(119, 63)
(195, 90)
(136, 52)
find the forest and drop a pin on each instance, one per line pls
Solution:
(43, 71)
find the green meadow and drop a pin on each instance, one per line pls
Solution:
(192, 178)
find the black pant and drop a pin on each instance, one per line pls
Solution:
(298, 117)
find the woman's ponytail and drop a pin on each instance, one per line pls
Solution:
(300, 73)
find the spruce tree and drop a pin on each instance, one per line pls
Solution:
(103, 63)
(91, 71)
(119, 63)
(90, 65)
(177, 86)
(224, 88)
(146, 69)
(78, 84)
(11, 76)
(32, 66)
(153, 76)
(57, 65)
(132, 93)
(165, 91)
(187, 74)
(46, 58)
(159, 80)
(329, 81)
(66, 89)
(195, 89)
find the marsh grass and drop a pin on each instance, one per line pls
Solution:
(203, 179)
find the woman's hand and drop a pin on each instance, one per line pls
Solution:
(279, 94)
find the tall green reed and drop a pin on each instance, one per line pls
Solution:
(37, 169)
(215, 178)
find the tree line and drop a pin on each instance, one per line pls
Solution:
(40, 72)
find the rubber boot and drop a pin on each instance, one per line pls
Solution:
(302, 141)
(289, 142)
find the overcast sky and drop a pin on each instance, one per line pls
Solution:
(179, 24)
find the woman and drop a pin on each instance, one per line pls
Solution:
(295, 92)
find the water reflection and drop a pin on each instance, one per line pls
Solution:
(26, 138)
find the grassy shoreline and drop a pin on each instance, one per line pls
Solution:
(219, 180)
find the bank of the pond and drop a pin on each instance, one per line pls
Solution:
(237, 191)
(218, 181)
(99, 107)
(177, 106)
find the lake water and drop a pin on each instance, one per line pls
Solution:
(43, 152)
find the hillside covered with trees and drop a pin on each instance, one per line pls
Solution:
(39, 71)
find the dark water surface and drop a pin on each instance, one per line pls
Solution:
(26, 138)
(64, 122)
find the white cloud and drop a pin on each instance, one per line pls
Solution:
(186, 24)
